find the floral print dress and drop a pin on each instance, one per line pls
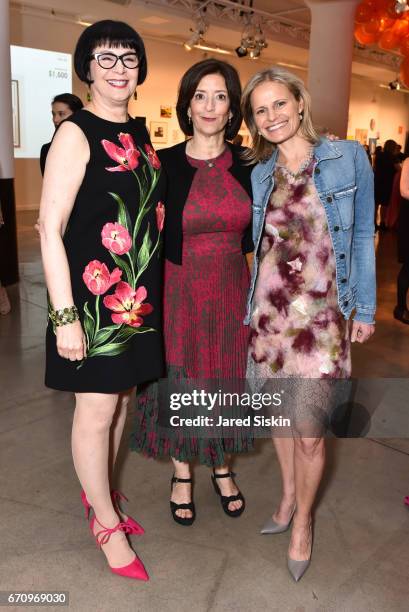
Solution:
(113, 243)
(297, 329)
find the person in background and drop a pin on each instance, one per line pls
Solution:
(400, 156)
(314, 265)
(101, 221)
(386, 165)
(207, 235)
(401, 312)
(368, 152)
(62, 106)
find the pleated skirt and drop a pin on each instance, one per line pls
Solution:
(206, 344)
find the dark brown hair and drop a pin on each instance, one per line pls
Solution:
(188, 86)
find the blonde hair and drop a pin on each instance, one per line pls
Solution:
(261, 149)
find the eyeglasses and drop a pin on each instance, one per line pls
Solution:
(109, 60)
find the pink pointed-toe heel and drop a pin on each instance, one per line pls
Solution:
(134, 528)
(135, 569)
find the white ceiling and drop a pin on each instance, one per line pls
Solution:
(158, 19)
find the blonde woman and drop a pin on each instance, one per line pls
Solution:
(314, 266)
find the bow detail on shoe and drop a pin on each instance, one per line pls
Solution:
(103, 536)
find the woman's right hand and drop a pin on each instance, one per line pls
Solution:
(71, 342)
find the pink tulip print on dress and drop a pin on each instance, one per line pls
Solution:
(127, 157)
(160, 215)
(98, 279)
(127, 306)
(116, 238)
(131, 247)
(152, 157)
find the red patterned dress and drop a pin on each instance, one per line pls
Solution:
(204, 304)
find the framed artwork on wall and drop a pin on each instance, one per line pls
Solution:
(16, 113)
(159, 132)
(166, 112)
(361, 135)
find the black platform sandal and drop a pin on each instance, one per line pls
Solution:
(174, 506)
(225, 500)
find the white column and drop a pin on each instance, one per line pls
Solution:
(330, 62)
(6, 121)
(8, 233)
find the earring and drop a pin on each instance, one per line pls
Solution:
(89, 95)
(189, 119)
(229, 122)
(301, 115)
(135, 95)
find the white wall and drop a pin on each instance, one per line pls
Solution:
(167, 62)
(389, 109)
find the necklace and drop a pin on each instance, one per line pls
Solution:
(304, 163)
(210, 163)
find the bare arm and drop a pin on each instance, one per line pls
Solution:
(249, 258)
(404, 180)
(64, 172)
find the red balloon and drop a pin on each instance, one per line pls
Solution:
(401, 28)
(404, 46)
(388, 40)
(363, 13)
(404, 72)
(363, 37)
(386, 5)
(373, 26)
(385, 22)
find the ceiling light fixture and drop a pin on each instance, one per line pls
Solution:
(394, 85)
(252, 41)
(198, 33)
(401, 6)
(213, 49)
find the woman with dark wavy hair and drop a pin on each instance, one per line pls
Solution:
(208, 233)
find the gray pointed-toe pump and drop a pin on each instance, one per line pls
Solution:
(297, 569)
(271, 526)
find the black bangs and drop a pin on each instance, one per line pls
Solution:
(112, 34)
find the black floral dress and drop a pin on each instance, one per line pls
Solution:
(113, 244)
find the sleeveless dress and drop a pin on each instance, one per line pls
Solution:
(204, 305)
(297, 329)
(113, 242)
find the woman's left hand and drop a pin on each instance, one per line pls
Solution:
(361, 332)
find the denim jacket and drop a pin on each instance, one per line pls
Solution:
(344, 181)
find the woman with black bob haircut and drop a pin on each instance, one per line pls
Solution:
(113, 34)
(101, 221)
(208, 233)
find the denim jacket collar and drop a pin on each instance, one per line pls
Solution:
(324, 149)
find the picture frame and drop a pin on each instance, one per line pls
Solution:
(166, 112)
(159, 132)
(16, 113)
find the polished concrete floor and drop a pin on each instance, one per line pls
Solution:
(361, 547)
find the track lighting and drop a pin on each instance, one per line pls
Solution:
(401, 7)
(252, 41)
(193, 40)
(197, 34)
(394, 85)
